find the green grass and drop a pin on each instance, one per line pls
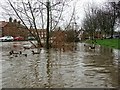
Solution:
(113, 43)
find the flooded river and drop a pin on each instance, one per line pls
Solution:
(80, 68)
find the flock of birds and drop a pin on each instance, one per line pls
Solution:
(90, 47)
(13, 53)
(20, 53)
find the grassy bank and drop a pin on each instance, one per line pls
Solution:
(113, 43)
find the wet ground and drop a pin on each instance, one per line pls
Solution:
(80, 68)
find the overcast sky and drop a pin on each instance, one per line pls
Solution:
(80, 6)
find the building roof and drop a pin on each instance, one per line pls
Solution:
(3, 24)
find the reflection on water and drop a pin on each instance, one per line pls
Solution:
(53, 68)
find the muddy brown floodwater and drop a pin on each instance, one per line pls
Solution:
(82, 68)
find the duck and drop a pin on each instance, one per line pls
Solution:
(22, 54)
(12, 52)
(84, 44)
(15, 55)
(25, 55)
(11, 56)
(26, 47)
(33, 52)
(92, 47)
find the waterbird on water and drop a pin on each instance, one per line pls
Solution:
(23, 54)
(33, 52)
(12, 52)
(16, 53)
(92, 47)
(26, 46)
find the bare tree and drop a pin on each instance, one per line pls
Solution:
(71, 28)
(100, 19)
(89, 23)
(36, 14)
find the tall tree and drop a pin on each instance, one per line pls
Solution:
(102, 19)
(105, 21)
(47, 32)
(89, 23)
(37, 13)
(113, 17)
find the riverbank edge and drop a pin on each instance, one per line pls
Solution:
(111, 43)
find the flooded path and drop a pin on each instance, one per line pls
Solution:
(82, 68)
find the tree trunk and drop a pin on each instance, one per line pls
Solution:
(47, 31)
